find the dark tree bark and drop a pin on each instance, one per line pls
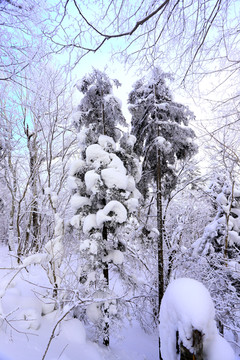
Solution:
(197, 345)
(106, 277)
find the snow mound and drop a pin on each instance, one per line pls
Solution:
(219, 349)
(187, 305)
(73, 330)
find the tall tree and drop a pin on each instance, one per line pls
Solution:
(104, 192)
(163, 138)
(39, 142)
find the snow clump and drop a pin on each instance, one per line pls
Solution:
(116, 256)
(107, 143)
(76, 166)
(89, 223)
(114, 210)
(187, 305)
(78, 201)
(113, 178)
(96, 156)
(91, 179)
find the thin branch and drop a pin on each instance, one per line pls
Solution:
(139, 23)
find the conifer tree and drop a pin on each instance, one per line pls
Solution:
(103, 192)
(163, 138)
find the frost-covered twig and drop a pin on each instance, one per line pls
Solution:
(13, 277)
(62, 351)
(18, 331)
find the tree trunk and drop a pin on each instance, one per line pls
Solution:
(197, 345)
(106, 277)
(160, 236)
(33, 165)
(13, 190)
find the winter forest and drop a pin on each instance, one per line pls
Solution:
(119, 180)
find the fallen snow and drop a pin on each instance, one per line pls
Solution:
(69, 341)
(73, 330)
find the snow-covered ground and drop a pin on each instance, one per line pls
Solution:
(31, 329)
(26, 332)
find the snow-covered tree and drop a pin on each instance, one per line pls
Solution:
(37, 142)
(222, 234)
(220, 246)
(104, 195)
(163, 138)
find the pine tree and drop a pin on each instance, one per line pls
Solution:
(103, 182)
(163, 138)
